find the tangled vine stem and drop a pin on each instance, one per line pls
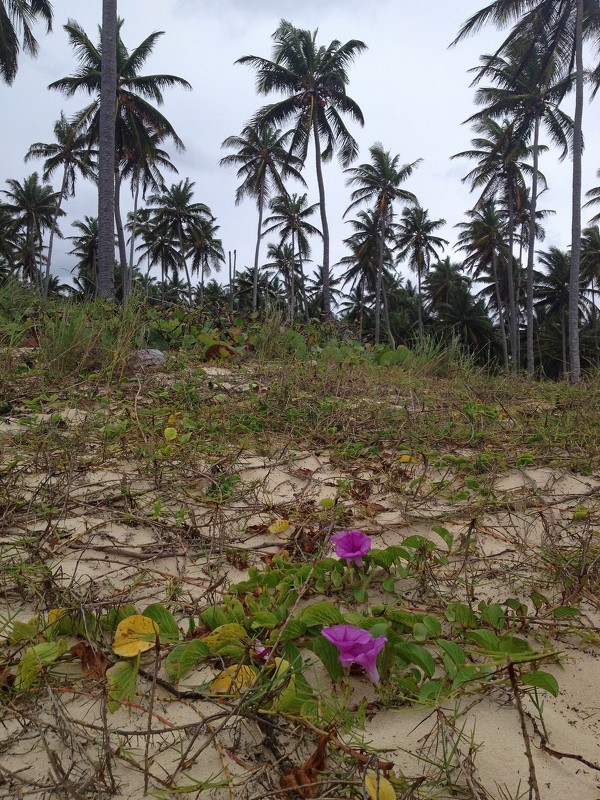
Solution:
(534, 789)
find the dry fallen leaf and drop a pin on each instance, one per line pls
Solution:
(279, 526)
(93, 661)
(299, 780)
(135, 635)
(378, 787)
(233, 679)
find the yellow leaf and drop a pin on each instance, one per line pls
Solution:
(279, 526)
(378, 787)
(56, 614)
(231, 632)
(405, 458)
(134, 635)
(233, 679)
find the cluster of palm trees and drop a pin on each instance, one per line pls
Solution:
(520, 312)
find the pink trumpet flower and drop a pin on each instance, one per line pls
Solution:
(356, 646)
(351, 545)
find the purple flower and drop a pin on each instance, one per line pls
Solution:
(351, 545)
(356, 646)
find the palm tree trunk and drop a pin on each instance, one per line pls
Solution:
(106, 153)
(292, 284)
(386, 316)
(512, 306)
(499, 304)
(61, 195)
(121, 235)
(419, 302)
(261, 203)
(132, 238)
(379, 277)
(531, 248)
(324, 224)
(574, 359)
(185, 267)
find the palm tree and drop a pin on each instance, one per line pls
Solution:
(70, 152)
(528, 89)
(314, 80)
(379, 182)
(483, 239)
(16, 18)
(206, 251)
(552, 293)
(289, 216)
(590, 270)
(32, 206)
(563, 24)
(594, 195)
(263, 162)
(415, 241)
(139, 126)
(363, 263)
(283, 259)
(86, 250)
(445, 282)
(501, 151)
(177, 217)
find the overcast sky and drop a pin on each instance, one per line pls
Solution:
(413, 90)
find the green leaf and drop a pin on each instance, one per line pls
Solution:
(121, 681)
(420, 632)
(430, 692)
(434, 628)
(484, 639)
(462, 614)
(513, 645)
(445, 533)
(564, 612)
(168, 629)
(468, 674)
(170, 434)
(389, 584)
(34, 658)
(541, 680)
(539, 600)
(294, 629)
(263, 619)
(493, 614)
(321, 615)
(454, 652)
(417, 542)
(184, 658)
(328, 654)
(415, 654)
(23, 631)
(214, 617)
(116, 615)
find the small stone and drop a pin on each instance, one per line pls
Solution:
(147, 359)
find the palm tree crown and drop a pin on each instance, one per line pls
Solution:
(313, 79)
(16, 18)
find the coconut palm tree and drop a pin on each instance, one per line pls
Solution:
(415, 241)
(500, 173)
(86, 250)
(362, 263)
(529, 88)
(313, 79)
(177, 216)
(483, 239)
(263, 163)
(139, 126)
(205, 250)
(563, 24)
(594, 195)
(16, 19)
(32, 206)
(283, 259)
(590, 270)
(70, 152)
(379, 182)
(444, 282)
(289, 216)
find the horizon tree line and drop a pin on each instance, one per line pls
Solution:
(530, 74)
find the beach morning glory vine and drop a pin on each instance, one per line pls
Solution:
(351, 545)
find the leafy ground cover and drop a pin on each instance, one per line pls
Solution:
(167, 570)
